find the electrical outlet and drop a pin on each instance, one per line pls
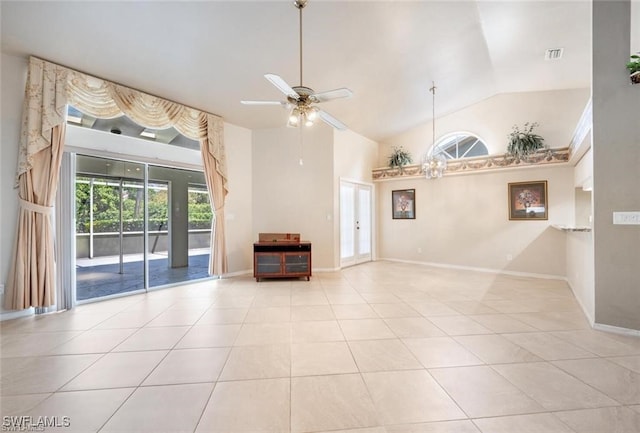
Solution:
(419, 250)
(509, 257)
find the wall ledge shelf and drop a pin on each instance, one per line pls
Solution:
(477, 164)
(570, 229)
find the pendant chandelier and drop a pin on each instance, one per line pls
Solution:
(434, 165)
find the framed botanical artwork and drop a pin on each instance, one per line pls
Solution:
(528, 201)
(403, 204)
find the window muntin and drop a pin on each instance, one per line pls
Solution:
(460, 145)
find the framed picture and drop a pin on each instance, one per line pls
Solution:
(528, 201)
(403, 204)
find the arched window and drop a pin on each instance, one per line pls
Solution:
(460, 145)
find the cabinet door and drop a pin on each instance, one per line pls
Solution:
(268, 263)
(296, 263)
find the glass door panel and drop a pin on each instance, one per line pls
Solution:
(363, 223)
(200, 224)
(158, 227)
(268, 263)
(179, 226)
(355, 223)
(296, 263)
(347, 223)
(109, 227)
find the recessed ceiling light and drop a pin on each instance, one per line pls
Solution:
(553, 53)
(148, 133)
(74, 119)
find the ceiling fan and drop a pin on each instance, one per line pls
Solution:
(301, 100)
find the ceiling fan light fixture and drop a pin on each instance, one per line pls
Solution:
(308, 122)
(294, 117)
(300, 99)
(312, 114)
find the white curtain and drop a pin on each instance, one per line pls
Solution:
(49, 89)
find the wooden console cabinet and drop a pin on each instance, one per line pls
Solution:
(281, 260)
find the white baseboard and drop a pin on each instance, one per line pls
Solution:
(586, 312)
(321, 270)
(238, 273)
(8, 315)
(485, 270)
(616, 330)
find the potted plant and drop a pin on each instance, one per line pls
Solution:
(399, 157)
(634, 68)
(524, 142)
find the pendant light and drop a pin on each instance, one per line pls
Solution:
(434, 165)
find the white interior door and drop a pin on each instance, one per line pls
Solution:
(355, 223)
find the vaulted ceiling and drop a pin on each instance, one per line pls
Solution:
(210, 55)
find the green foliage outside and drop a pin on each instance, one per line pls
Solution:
(106, 208)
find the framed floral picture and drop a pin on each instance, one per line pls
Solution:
(528, 201)
(403, 204)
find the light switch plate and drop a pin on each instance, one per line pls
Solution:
(626, 218)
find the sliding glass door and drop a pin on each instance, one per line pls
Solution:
(138, 226)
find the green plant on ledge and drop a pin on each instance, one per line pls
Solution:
(634, 68)
(399, 157)
(524, 142)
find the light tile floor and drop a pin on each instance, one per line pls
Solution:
(378, 348)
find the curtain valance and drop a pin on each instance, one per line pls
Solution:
(51, 87)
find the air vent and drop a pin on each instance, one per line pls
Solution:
(553, 54)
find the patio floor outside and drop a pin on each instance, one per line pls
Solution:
(99, 277)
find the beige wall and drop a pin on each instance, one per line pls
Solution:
(354, 156)
(580, 270)
(463, 221)
(292, 198)
(580, 252)
(557, 112)
(616, 173)
(238, 206)
(635, 26)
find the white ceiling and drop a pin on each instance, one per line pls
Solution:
(210, 55)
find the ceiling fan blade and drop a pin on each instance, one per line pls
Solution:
(282, 103)
(329, 119)
(282, 85)
(331, 94)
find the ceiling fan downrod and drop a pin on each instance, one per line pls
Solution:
(300, 4)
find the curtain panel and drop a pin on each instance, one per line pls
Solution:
(216, 185)
(49, 89)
